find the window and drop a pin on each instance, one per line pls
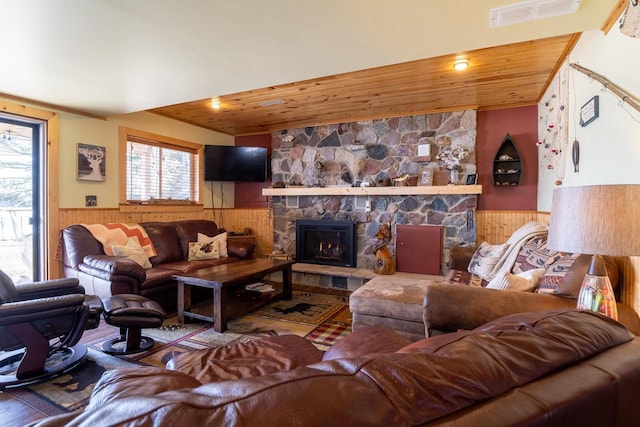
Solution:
(158, 169)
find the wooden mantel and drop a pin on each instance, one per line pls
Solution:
(374, 191)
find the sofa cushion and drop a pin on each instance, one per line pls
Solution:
(165, 239)
(246, 359)
(485, 258)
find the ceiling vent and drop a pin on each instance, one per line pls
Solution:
(272, 102)
(531, 11)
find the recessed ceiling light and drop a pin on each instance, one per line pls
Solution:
(215, 103)
(461, 64)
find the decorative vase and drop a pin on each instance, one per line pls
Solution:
(453, 176)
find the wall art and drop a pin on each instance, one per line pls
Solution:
(91, 162)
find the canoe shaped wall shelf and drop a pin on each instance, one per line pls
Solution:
(507, 165)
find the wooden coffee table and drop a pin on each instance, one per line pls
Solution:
(227, 282)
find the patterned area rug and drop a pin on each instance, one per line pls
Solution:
(320, 318)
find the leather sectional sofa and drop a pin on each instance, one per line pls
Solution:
(548, 368)
(84, 258)
(416, 308)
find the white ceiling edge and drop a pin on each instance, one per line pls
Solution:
(117, 56)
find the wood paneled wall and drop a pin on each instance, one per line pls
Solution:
(493, 226)
(496, 227)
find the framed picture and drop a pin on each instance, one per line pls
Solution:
(472, 179)
(91, 162)
(590, 111)
(426, 177)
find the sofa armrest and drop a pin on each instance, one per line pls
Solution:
(448, 308)
(460, 256)
(107, 267)
(240, 248)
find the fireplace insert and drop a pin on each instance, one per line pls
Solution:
(326, 242)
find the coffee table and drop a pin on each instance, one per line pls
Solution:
(227, 281)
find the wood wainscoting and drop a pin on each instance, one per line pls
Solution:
(492, 226)
(231, 219)
(496, 227)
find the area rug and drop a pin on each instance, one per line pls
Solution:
(322, 319)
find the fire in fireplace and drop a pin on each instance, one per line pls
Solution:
(326, 242)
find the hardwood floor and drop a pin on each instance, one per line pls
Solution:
(15, 412)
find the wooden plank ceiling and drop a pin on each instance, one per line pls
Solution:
(499, 77)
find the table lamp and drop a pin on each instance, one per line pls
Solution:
(596, 220)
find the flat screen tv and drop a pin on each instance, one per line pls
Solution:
(231, 163)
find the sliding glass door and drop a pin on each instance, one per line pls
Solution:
(20, 198)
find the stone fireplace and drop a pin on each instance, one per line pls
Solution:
(371, 154)
(326, 242)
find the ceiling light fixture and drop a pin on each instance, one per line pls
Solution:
(461, 64)
(215, 103)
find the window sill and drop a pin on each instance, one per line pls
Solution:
(130, 207)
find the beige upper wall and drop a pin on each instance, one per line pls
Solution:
(610, 145)
(78, 129)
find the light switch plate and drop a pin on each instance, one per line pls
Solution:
(424, 150)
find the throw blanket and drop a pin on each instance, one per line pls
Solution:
(119, 234)
(515, 242)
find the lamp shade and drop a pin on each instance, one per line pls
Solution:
(598, 219)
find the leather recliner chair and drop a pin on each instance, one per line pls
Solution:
(38, 322)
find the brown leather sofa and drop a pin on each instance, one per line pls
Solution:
(84, 258)
(550, 368)
(447, 307)
(419, 307)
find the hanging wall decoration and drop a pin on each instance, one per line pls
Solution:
(553, 129)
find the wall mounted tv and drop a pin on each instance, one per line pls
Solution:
(231, 163)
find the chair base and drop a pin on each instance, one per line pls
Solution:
(130, 346)
(57, 364)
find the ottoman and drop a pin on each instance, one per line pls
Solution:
(396, 303)
(131, 313)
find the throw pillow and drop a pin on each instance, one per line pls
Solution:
(485, 258)
(219, 239)
(557, 267)
(198, 251)
(133, 251)
(457, 277)
(523, 282)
